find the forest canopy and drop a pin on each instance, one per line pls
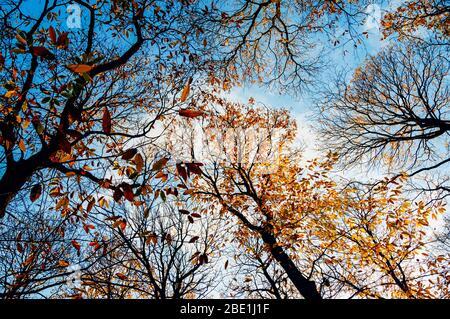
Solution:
(131, 166)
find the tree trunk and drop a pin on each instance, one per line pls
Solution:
(305, 287)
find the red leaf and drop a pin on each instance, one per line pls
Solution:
(127, 191)
(35, 193)
(106, 121)
(121, 276)
(42, 52)
(117, 195)
(196, 215)
(190, 113)
(76, 245)
(62, 40)
(52, 34)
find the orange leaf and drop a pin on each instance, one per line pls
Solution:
(186, 90)
(22, 146)
(79, 68)
(63, 263)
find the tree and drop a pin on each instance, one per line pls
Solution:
(70, 98)
(393, 111)
(409, 17)
(302, 216)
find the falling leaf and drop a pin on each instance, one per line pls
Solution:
(184, 212)
(35, 193)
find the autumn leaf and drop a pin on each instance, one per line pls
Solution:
(127, 191)
(194, 168)
(159, 164)
(186, 90)
(184, 211)
(35, 193)
(193, 239)
(43, 53)
(181, 171)
(80, 68)
(52, 34)
(129, 154)
(63, 263)
(106, 121)
(121, 276)
(22, 146)
(76, 245)
(190, 113)
(139, 162)
(21, 40)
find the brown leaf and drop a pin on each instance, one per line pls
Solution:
(129, 154)
(193, 239)
(139, 162)
(21, 40)
(184, 211)
(181, 171)
(106, 121)
(36, 192)
(63, 263)
(194, 168)
(159, 164)
(117, 195)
